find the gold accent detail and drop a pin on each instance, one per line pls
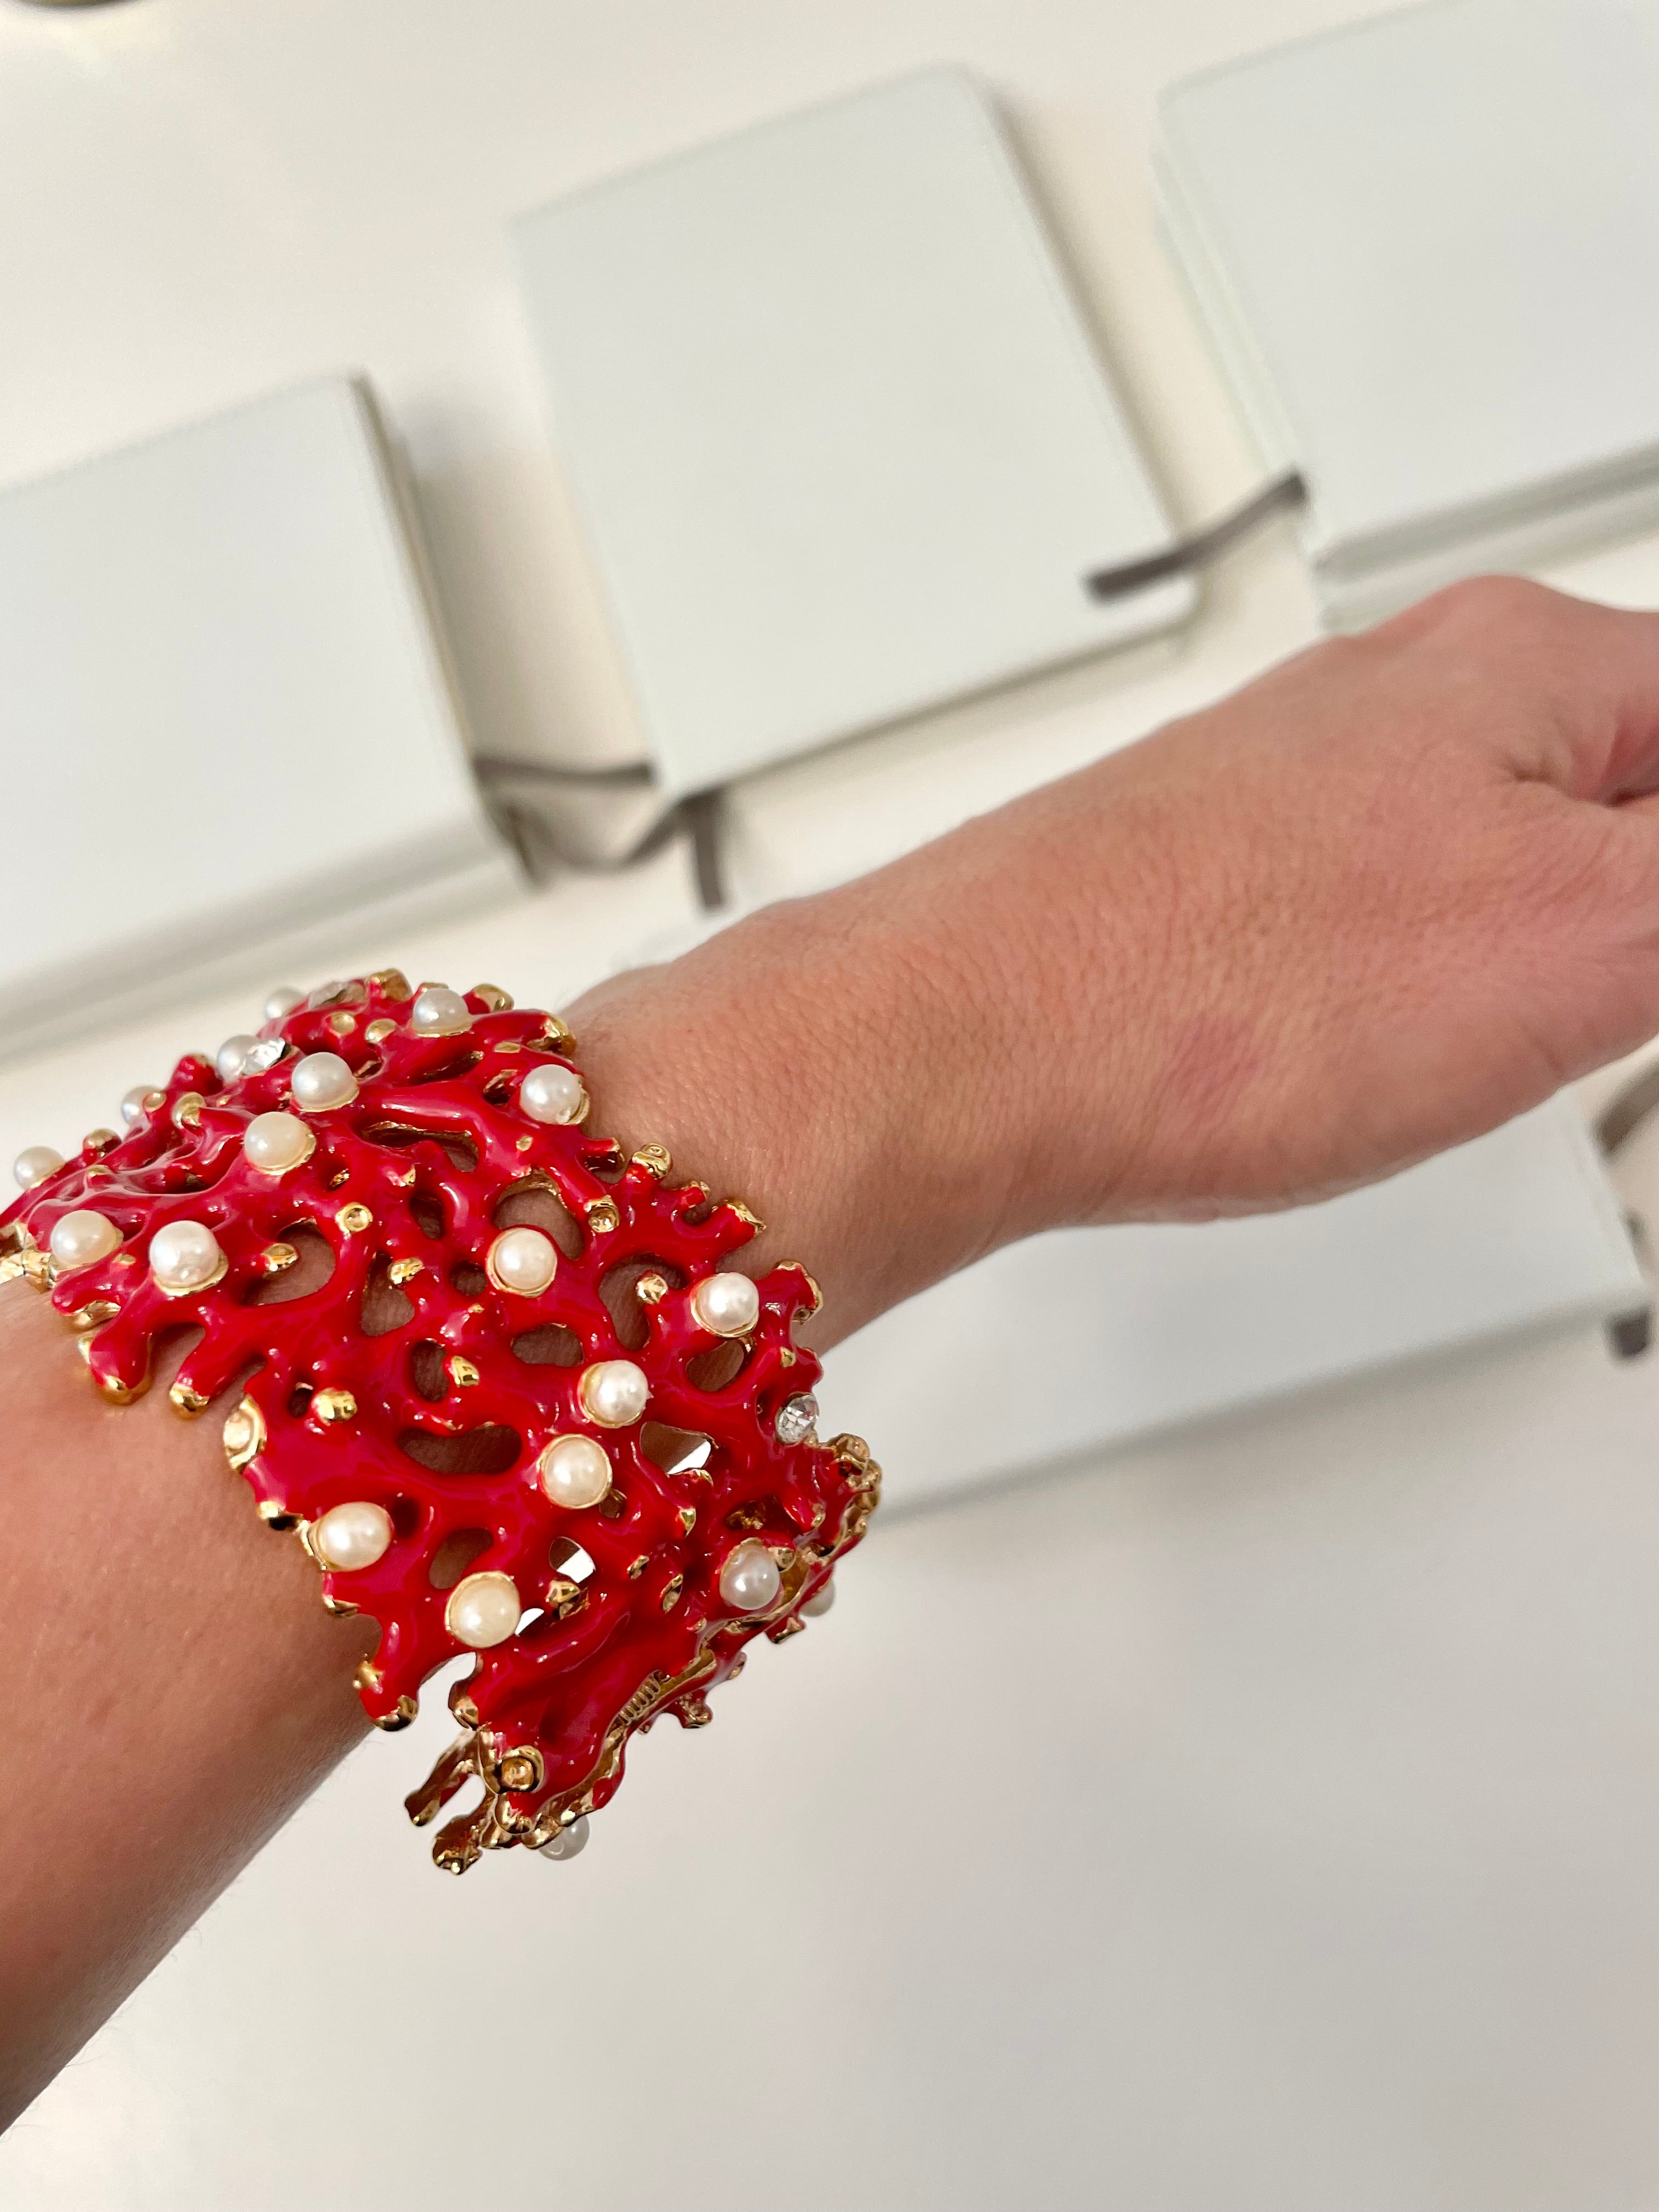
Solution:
(340, 1176)
(336, 1405)
(90, 1317)
(688, 1519)
(520, 1769)
(403, 1181)
(341, 1608)
(508, 1044)
(354, 1218)
(787, 1355)
(277, 1516)
(745, 1517)
(100, 1141)
(405, 1271)
(461, 1706)
(194, 1289)
(525, 1143)
(637, 1567)
(393, 983)
(244, 1435)
(187, 1110)
(342, 1025)
(400, 1716)
(497, 1000)
(98, 1173)
(277, 1258)
(368, 1676)
(671, 1589)
(462, 1373)
(555, 1035)
(602, 1216)
(13, 1267)
(693, 1712)
(786, 1629)
(564, 1597)
(186, 1400)
(378, 1031)
(651, 1290)
(735, 1206)
(655, 1159)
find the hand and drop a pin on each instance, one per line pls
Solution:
(1379, 902)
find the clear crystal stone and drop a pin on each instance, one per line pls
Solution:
(795, 1418)
(326, 993)
(264, 1055)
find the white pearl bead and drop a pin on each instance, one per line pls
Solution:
(482, 1610)
(185, 1255)
(34, 1165)
(575, 1470)
(439, 1011)
(83, 1237)
(274, 1143)
(133, 1108)
(727, 1304)
(230, 1056)
(524, 1260)
(820, 1602)
(552, 1093)
(321, 1080)
(569, 1844)
(282, 1002)
(614, 1392)
(353, 1535)
(750, 1580)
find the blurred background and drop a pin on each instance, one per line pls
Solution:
(502, 490)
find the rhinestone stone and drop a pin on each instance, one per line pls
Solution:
(796, 1418)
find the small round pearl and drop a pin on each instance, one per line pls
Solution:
(614, 1392)
(482, 1610)
(83, 1237)
(575, 1471)
(231, 1055)
(34, 1165)
(727, 1304)
(439, 1011)
(352, 1536)
(185, 1255)
(569, 1844)
(750, 1580)
(552, 1093)
(321, 1080)
(133, 1108)
(274, 1143)
(820, 1602)
(283, 1001)
(524, 1260)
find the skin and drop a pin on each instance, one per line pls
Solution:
(1394, 893)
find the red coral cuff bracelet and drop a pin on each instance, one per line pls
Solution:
(584, 1452)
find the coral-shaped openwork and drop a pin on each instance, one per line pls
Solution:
(411, 1416)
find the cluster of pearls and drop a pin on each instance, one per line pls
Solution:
(439, 1011)
(82, 1238)
(523, 1260)
(352, 1536)
(34, 1164)
(321, 1081)
(482, 1610)
(726, 1305)
(574, 1472)
(751, 1580)
(274, 1143)
(185, 1255)
(553, 1093)
(614, 1393)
